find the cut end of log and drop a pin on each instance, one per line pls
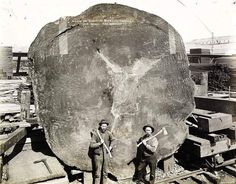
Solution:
(112, 62)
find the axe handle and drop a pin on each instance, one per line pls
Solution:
(104, 145)
(150, 137)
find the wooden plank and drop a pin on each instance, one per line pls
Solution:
(3, 136)
(21, 54)
(13, 138)
(34, 172)
(213, 178)
(20, 74)
(203, 149)
(22, 124)
(25, 104)
(224, 105)
(15, 124)
(11, 108)
(179, 181)
(208, 55)
(231, 170)
(213, 122)
(195, 178)
(227, 162)
(27, 123)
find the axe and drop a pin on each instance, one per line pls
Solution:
(109, 152)
(162, 130)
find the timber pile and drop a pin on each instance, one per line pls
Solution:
(112, 62)
(9, 90)
(7, 120)
(10, 118)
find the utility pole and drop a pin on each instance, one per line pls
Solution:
(212, 42)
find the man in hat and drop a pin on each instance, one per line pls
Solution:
(146, 156)
(101, 144)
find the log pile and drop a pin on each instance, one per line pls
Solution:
(10, 118)
(113, 62)
(9, 90)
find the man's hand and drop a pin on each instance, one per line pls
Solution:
(102, 141)
(110, 148)
(144, 142)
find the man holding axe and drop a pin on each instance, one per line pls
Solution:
(146, 155)
(101, 145)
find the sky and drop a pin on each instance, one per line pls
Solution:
(21, 20)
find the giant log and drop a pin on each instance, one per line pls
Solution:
(113, 62)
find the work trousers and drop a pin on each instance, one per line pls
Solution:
(150, 161)
(100, 166)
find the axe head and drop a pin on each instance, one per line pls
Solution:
(164, 131)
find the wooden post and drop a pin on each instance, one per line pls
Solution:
(25, 104)
(169, 164)
(18, 64)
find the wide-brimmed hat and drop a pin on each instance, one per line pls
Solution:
(148, 126)
(103, 121)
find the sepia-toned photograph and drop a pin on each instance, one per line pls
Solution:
(118, 92)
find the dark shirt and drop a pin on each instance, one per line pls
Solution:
(95, 142)
(149, 149)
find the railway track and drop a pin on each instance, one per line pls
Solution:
(225, 175)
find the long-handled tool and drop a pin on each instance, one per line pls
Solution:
(104, 145)
(162, 130)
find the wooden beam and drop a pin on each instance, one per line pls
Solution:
(20, 74)
(23, 124)
(13, 138)
(213, 178)
(21, 54)
(179, 181)
(18, 64)
(208, 55)
(16, 124)
(227, 162)
(25, 104)
(231, 170)
(195, 178)
(210, 122)
(216, 104)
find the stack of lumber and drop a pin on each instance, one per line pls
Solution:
(8, 90)
(10, 117)
(10, 107)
